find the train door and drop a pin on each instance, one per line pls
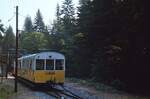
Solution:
(59, 69)
(30, 72)
(40, 72)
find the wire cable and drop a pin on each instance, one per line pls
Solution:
(11, 18)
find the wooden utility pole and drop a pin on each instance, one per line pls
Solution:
(16, 67)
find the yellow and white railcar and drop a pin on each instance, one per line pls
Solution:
(42, 68)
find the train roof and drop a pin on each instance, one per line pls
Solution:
(53, 55)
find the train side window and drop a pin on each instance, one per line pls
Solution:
(40, 64)
(59, 64)
(49, 64)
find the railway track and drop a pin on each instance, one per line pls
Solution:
(62, 93)
(58, 92)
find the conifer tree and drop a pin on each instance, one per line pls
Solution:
(68, 19)
(28, 26)
(39, 25)
(57, 24)
(9, 39)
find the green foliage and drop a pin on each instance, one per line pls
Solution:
(55, 42)
(64, 26)
(63, 31)
(106, 42)
(33, 41)
(113, 41)
(5, 91)
(56, 39)
(68, 23)
(28, 27)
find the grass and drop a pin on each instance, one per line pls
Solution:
(5, 91)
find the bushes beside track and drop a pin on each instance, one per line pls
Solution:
(5, 91)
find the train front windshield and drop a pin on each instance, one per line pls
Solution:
(50, 64)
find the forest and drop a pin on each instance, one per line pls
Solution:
(104, 40)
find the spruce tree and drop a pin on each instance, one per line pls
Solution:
(9, 39)
(57, 24)
(68, 29)
(81, 42)
(68, 19)
(114, 28)
(39, 25)
(28, 26)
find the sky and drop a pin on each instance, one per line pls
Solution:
(28, 7)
